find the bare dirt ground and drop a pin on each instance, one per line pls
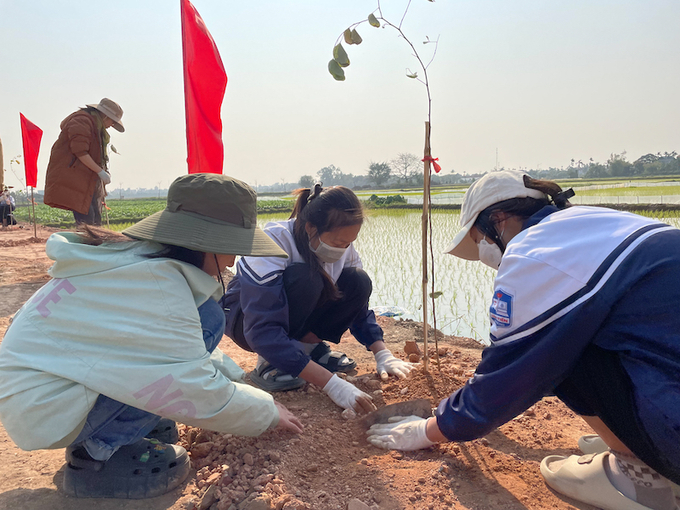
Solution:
(330, 465)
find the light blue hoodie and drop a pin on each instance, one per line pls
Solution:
(116, 323)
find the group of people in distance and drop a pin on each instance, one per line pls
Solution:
(122, 342)
(7, 206)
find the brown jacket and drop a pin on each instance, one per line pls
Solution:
(69, 184)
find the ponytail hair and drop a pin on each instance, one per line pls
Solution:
(304, 196)
(558, 197)
(326, 209)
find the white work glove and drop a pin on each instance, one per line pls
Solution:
(345, 394)
(105, 177)
(386, 363)
(405, 433)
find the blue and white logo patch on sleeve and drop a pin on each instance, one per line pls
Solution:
(501, 309)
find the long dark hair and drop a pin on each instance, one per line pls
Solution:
(523, 208)
(326, 209)
(96, 236)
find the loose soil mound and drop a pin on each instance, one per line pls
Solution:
(331, 462)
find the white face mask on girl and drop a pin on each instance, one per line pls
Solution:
(489, 254)
(326, 253)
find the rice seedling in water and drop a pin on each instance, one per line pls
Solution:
(670, 217)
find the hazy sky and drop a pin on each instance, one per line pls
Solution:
(543, 81)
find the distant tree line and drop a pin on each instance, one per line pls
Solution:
(659, 164)
(407, 170)
(404, 170)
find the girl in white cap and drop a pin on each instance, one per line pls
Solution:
(127, 332)
(585, 307)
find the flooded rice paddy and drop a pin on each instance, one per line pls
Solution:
(390, 247)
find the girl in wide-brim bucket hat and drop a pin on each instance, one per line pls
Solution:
(127, 333)
(209, 213)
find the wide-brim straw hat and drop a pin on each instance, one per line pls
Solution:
(211, 213)
(494, 187)
(112, 110)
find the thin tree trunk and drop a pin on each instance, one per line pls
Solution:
(426, 208)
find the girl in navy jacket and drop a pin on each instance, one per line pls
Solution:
(585, 307)
(287, 309)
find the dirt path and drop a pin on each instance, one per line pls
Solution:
(330, 463)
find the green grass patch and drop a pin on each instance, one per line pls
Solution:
(376, 201)
(670, 217)
(124, 212)
(638, 191)
(615, 180)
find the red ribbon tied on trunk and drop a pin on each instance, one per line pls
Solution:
(432, 160)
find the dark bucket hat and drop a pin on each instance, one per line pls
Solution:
(212, 213)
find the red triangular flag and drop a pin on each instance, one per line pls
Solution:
(31, 136)
(204, 84)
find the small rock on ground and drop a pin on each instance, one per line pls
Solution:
(208, 498)
(260, 501)
(355, 504)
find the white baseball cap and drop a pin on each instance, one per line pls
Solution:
(494, 187)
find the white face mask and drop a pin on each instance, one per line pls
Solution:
(490, 254)
(329, 254)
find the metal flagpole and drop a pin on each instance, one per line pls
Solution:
(35, 223)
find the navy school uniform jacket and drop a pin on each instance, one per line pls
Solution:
(257, 290)
(573, 277)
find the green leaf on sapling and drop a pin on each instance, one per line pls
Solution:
(412, 75)
(436, 294)
(336, 71)
(340, 55)
(356, 38)
(373, 21)
(348, 36)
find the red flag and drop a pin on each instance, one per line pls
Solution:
(31, 136)
(204, 84)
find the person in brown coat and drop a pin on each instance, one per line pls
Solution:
(78, 167)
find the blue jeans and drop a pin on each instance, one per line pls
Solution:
(112, 424)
